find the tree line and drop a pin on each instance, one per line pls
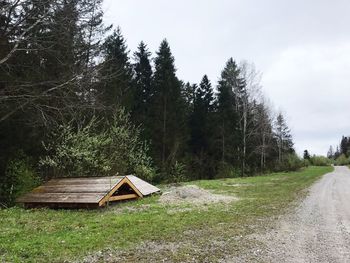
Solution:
(75, 101)
(341, 154)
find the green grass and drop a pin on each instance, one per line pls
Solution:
(45, 235)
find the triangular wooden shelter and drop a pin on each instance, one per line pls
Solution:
(87, 192)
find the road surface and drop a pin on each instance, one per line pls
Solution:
(319, 230)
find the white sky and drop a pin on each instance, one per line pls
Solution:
(302, 47)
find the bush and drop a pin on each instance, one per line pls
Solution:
(290, 162)
(95, 151)
(306, 163)
(19, 178)
(177, 172)
(342, 160)
(293, 162)
(320, 161)
(226, 170)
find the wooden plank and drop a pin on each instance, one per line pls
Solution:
(73, 189)
(103, 200)
(62, 205)
(122, 197)
(144, 187)
(125, 180)
(133, 187)
(88, 178)
(84, 181)
(60, 198)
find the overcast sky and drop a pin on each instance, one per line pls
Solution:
(302, 47)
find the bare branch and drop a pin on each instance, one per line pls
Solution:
(20, 39)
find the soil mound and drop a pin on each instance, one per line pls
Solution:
(193, 194)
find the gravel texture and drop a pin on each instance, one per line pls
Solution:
(319, 229)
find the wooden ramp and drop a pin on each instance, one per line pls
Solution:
(87, 192)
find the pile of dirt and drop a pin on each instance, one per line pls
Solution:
(192, 194)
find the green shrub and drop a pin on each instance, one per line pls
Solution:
(342, 160)
(293, 162)
(145, 172)
(19, 178)
(226, 170)
(177, 172)
(290, 162)
(320, 161)
(306, 163)
(96, 151)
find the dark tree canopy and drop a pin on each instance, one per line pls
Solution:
(168, 116)
(116, 72)
(227, 111)
(306, 155)
(141, 105)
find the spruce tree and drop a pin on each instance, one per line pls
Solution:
(50, 58)
(227, 112)
(45, 66)
(202, 108)
(344, 146)
(143, 88)
(116, 73)
(337, 153)
(189, 93)
(306, 155)
(330, 153)
(283, 137)
(201, 129)
(168, 116)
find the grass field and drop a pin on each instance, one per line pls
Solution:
(57, 235)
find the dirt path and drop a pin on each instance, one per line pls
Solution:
(319, 230)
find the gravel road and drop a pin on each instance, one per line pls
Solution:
(319, 230)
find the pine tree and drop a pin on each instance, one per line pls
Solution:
(45, 66)
(344, 146)
(189, 93)
(116, 73)
(168, 104)
(143, 88)
(330, 153)
(201, 129)
(306, 155)
(284, 138)
(202, 108)
(227, 112)
(337, 153)
(91, 29)
(50, 58)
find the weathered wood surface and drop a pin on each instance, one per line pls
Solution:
(86, 191)
(123, 197)
(60, 198)
(73, 189)
(112, 180)
(144, 187)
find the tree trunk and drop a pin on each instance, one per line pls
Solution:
(244, 138)
(223, 142)
(262, 157)
(164, 131)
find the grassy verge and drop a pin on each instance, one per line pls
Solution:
(56, 235)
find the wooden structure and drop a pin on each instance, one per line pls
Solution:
(87, 192)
